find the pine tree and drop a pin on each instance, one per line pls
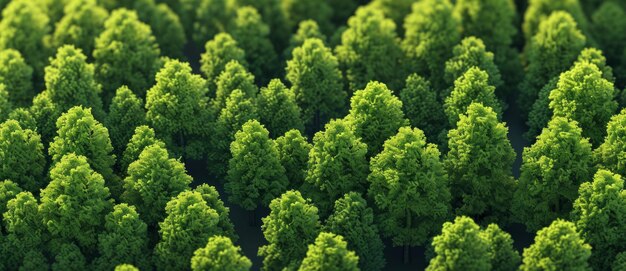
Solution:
(143, 137)
(472, 87)
(126, 113)
(21, 156)
(471, 52)
(293, 153)
(607, 155)
(219, 254)
(307, 29)
(17, 77)
(25, 230)
(503, 256)
(219, 51)
(329, 252)
(45, 112)
(225, 226)
(421, 105)
(234, 76)
(278, 110)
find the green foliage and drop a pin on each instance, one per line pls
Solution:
(189, 223)
(297, 11)
(126, 112)
(252, 34)
(24, 118)
(75, 202)
(234, 76)
(24, 228)
(23, 27)
(212, 198)
(354, 220)
(207, 18)
(8, 191)
(16, 76)
(409, 186)
(316, 81)
(152, 181)
(278, 110)
(600, 215)
(431, 33)
(35, 261)
(396, 10)
(133, 64)
(329, 252)
(143, 137)
(255, 174)
(375, 115)
(421, 105)
(53, 8)
(21, 156)
(176, 106)
(307, 29)
(71, 81)
(293, 154)
(461, 246)
(620, 262)
(126, 267)
(124, 239)
(165, 24)
(596, 57)
(557, 247)
(219, 254)
(79, 133)
(68, 257)
(82, 23)
(540, 10)
(370, 50)
(273, 16)
(239, 110)
(5, 105)
(337, 163)
(503, 256)
(548, 53)
(552, 169)
(472, 87)
(45, 112)
(609, 29)
(292, 224)
(608, 154)
(479, 165)
(471, 52)
(584, 96)
(219, 51)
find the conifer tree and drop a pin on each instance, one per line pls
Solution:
(609, 29)
(225, 226)
(68, 257)
(219, 51)
(503, 256)
(255, 174)
(234, 76)
(552, 169)
(471, 52)
(82, 23)
(406, 176)
(25, 230)
(219, 254)
(307, 29)
(143, 137)
(152, 181)
(397, 10)
(126, 267)
(293, 153)
(272, 13)
(8, 191)
(206, 18)
(292, 224)
(24, 118)
(472, 87)
(165, 25)
(329, 252)
(460, 246)
(21, 156)
(278, 110)
(420, 103)
(126, 113)
(607, 155)
(317, 83)
(299, 10)
(5, 105)
(479, 165)
(540, 10)
(16, 76)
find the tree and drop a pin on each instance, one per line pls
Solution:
(208, 18)
(126, 112)
(599, 214)
(24, 118)
(354, 220)
(557, 247)
(255, 174)
(164, 23)
(420, 103)
(134, 64)
(189, 223)
(79, 133)
(551, 51)
(69, 257)
(539, 10)
(609, 27)
(176, 106)
(126, 267)
(8, 191)
(219, 254)
(292, 224)
(299, 10)
(142, 137)
(406, 176)
(23, 27)
(124, 239)
(431, 33)
(503, 256)
(337, 163)
(375, 115)
(35, 260)
(471, 52)
(307, 29)
(293, 153)
(219, 51)
(329, 252)
(397, 10)
(460, 246)
(584, 96)
(620, 262)
(54, 9)
(210, 195)
(315, 78)
(25, 230)
(252, 34)
(16, 76)
(370, 50)
(552, 169)
(21, 156)
(234, 76)
(479, 165)
(82, 23)
(5, 105)
(75, 202)
(45, 112)
(71, 81)
(472, 87)
(278, 109)
(238, 110)
(152, 181)
(607, 155)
